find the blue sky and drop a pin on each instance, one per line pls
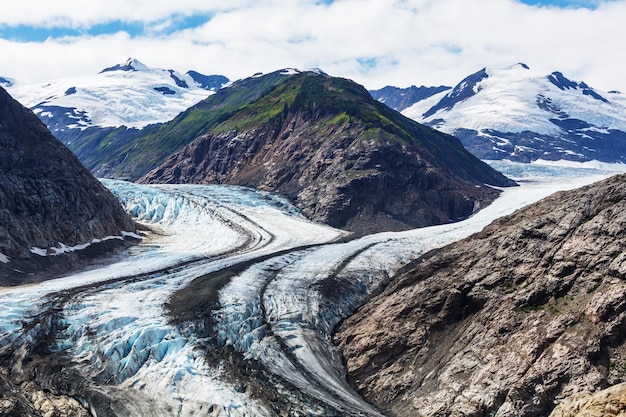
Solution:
(375, 42)
(135, 28)
(589, 4)
(28, 33)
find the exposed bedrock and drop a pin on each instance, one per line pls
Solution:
(507, 322)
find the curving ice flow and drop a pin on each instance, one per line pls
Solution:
(290, 304)
(279, 311)
(114, 323)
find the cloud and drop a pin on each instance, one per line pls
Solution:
(81, 14)
(375, 42)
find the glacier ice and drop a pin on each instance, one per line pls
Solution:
(280, 311)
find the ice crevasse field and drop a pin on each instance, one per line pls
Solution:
(275, 311)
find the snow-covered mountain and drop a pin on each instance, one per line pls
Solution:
(130, 94)
(5, 82)
(514, 113)
(402, 98)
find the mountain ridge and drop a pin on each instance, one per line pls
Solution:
(517, 114)
(128, 94)
(400, 99)
(326, 144)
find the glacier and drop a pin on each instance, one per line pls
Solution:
(294, 281)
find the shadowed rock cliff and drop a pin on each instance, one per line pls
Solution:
(47, 200)
(507, 322)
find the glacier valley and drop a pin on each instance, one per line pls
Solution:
(227, 306)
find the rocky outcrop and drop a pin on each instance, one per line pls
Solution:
(50, 205)
(340, 156)
(606, 403)
(28, 400)
(508, 322)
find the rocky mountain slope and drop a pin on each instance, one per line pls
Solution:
(339, 155)
(51, 208)
(507, 322)
(29, 400)
(517, 114)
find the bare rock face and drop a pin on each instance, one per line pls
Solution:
(47, 199)
(606, 403)
(508, 322)
(350, 184)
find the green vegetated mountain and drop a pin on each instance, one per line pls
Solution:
(342, 157)
(130, 152)
(508, 322)
(52, 210)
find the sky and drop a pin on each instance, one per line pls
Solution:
(374, 42)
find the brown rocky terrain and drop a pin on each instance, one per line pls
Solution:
(47, 198)
(340, 156)
(508, 322)
(27, 399)
(606, 403)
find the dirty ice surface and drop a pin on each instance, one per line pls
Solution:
(280, 311)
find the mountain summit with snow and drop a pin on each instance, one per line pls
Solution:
(5, 82)
(514, 113)
(131, 94)
(131, 64)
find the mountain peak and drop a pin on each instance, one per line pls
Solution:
(291, 134)
(558, 79)
(519, 65)
(508, 70)
(6, 82)
(516, 113)
(295, 71)
(131, 64)
(563, 83)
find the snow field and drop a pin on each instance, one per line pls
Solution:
(507, 101)
(115, 98)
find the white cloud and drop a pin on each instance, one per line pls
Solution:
(427, 42)
(80, 14)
